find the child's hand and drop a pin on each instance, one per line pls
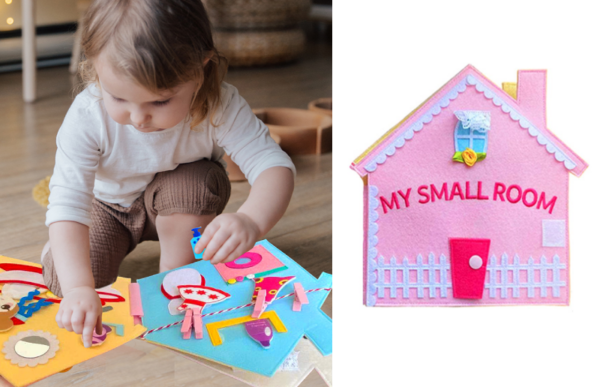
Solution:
(80, 312)
(227, 237)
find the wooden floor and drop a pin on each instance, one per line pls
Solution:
(27, 150)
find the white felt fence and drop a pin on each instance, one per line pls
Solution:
(545, 270)
(436, 276)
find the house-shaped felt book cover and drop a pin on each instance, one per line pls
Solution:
(466, 200)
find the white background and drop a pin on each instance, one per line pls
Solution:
(389, 56)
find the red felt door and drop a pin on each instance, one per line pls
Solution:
(468, 263)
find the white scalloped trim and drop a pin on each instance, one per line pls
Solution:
(372, 241)
(444, 101)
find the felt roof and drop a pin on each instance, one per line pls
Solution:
(395, 138)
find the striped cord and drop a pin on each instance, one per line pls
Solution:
(143, 336)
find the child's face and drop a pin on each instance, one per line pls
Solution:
(130, 104)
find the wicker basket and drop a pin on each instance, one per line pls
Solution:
(256, 14)
(251, 48)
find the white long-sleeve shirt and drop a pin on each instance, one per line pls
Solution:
(99, 157)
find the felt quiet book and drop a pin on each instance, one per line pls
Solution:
(257, 319)
(466, 200)
(249, 314)
(32, 346)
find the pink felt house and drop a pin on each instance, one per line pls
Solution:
(466, 200)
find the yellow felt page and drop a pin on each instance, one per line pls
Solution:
(71, 350)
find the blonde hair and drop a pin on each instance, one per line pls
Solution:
(159, 44)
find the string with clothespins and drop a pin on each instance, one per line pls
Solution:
(143, 336)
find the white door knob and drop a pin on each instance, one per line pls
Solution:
(475, 262)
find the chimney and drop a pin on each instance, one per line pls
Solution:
(531, 95)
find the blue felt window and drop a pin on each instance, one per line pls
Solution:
(469, 138)
(475, 135)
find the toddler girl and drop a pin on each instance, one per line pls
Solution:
(139, 155)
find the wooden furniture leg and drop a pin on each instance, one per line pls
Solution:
(29, 54)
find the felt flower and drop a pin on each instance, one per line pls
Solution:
(469, 156)
(459, 157)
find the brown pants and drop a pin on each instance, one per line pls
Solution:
(199, 188)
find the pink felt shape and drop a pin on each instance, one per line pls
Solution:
(253, 260)
(260, 304)
(135, 303)
(235, 272)
(554, 233)
(468, 281)
(299, 297)
(531, 95)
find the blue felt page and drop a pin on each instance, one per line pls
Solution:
(239, 349)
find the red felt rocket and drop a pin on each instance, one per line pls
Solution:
(265, 291)
(171, 283)
(195, 298)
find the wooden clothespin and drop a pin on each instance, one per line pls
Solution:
(192, 321)
(261, 303)
(197, 318)
(188, 322)
(299, 297)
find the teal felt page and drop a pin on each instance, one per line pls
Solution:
(239, 350)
